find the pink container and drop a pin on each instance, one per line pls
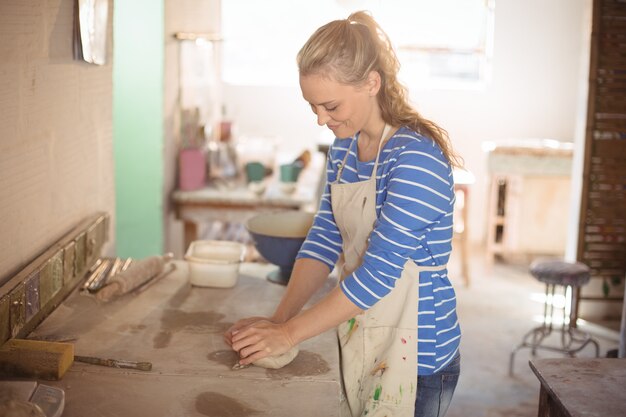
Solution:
(192, 169)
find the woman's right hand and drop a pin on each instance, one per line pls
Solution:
(228, 334)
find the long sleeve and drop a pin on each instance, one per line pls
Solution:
(416, 198)
(414, 206)
(324, 241)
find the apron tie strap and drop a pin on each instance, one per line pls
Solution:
(433, 268)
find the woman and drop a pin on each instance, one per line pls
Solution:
(385, 221)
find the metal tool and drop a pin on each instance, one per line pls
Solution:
(102, 270)
(54, 338)
(126, 264)
(114, 363)
(117, 265)
(92, 272)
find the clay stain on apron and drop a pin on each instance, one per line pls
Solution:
(305, 364)
(212, 404)
(173, 321)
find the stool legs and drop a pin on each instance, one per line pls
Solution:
(573, 340)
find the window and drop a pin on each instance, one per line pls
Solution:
(443, 42)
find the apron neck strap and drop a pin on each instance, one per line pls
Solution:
(380, 146)
(386, 130)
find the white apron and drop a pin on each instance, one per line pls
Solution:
(379, 346)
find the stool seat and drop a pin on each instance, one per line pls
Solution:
(558, 272)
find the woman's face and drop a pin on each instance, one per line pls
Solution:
(344, 109)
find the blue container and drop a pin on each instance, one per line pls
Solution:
(278, 237)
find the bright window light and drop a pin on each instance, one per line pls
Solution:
(439, 43)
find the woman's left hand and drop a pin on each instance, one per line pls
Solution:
(241, 324)
(261, 339)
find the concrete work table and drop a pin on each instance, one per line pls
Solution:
(576, 387)
(179, 329)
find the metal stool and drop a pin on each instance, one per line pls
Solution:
(563, 274)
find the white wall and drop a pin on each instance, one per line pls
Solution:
(538, 58)
(580, 136)
(180, 16)
(56, 139)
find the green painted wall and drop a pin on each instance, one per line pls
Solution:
(138, 131)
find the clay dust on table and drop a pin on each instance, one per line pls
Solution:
(212, 404)
(227, 357)
(173, 321)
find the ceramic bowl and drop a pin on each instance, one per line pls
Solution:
(278, 237)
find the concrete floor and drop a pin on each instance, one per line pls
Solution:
(495, 311)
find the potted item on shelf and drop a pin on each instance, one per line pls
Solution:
(222, 155)
(192, 156)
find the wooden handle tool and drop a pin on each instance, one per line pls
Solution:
(114, 363)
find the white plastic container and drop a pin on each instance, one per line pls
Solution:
(214, 263)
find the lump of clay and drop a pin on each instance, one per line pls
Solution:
(277, 362)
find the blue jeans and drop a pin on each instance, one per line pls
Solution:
(434, 392)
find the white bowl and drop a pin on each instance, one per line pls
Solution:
(214, 263)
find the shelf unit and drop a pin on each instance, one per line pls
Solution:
(199, 78)
(529, 197)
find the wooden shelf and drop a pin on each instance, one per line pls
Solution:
(527, 214)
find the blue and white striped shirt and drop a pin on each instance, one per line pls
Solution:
(414, 205)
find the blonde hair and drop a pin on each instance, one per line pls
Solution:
(348, 50)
